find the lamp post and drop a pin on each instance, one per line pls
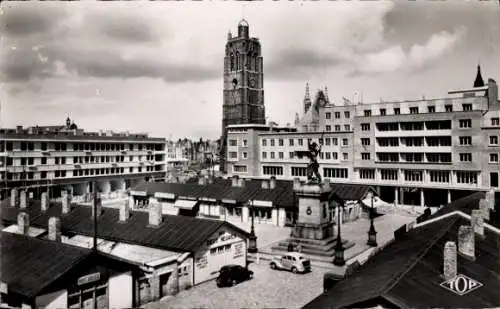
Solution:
(339, 247)
(252, 239)
(372, 234)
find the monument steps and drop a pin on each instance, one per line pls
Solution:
(314, 242)
(316, 250)
(312, 257)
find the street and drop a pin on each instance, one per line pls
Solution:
(268, 289)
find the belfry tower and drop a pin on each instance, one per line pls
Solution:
(243, 100)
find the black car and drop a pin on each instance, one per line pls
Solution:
(231, 275)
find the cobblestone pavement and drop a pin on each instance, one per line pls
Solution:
(268, 289)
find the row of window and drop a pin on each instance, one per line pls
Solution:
(87, 159)
(301, 142)
(291, 155)
(417, 176)
(328, 128)
(59, 146)
(415, 110)
(328, 115)
(302, 171)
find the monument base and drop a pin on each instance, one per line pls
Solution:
(313, 231)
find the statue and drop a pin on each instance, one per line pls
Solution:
(313, 175)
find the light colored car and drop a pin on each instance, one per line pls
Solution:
(293, 261)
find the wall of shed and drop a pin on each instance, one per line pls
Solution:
(120, 291)
(55, 300)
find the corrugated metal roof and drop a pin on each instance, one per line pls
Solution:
(407, 273)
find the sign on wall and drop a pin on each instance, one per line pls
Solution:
(89, 278)
(202, 262)
(238, 250)
(221, 238)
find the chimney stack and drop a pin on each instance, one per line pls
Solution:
(241, 182)
(202, 181)
(155, 215)
(296, 183)
(477, 222)
(210, 180)
(272, 182)
(484, 207)
(466, 241)
(97, 206)
(265, 184)
(23, 223)
(13, 197)
(450, 260)
(22, 199)
(234, 181)
(125, 211)
(54, 229)
(65, 202)
(326, 183)
(44, 202)
(490, 197)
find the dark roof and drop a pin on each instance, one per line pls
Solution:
(29, 264)
(351, 192)
(478, 82)
(175, 233)
(407, 273)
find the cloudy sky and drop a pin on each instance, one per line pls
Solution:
(157, 66)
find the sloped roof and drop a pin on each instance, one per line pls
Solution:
(351, 192)
(407, 273)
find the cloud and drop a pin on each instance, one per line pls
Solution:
(419, 57)
(22, 20)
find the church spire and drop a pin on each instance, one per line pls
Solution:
(479, 79)
(307, 99)
(326, 95)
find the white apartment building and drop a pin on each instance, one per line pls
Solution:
(423, 152)
(68, 158)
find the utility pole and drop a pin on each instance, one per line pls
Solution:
(94, 247)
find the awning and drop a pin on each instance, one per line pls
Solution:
(170, 196)
(185, 204)
(261, 203)
(138, 193)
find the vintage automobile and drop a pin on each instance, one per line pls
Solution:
(231, 275)
(293, 261)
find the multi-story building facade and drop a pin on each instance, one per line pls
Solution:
(243, 94)
(69, 158)
(424, 152)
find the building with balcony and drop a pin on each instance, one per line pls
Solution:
(66, 157)
(423, 152)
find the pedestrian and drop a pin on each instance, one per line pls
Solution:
(290, 247)
(299, 248)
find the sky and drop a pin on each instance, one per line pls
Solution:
(157, 67)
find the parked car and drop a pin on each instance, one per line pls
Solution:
(231, 275)
(293, 261)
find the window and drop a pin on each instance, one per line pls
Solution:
(345, 142)
(367, 174)
(467, 107)
(365, 141)
(327, 141)
(232, 142)
(291, 154)
(439, 176)
(365, 127)
(345, 156)
(466, 177)
(244, 155)
(272, 142)
(44, 160)
(365, 156)
(495, 121)
(448, 108)
(367, 112)
(233, 154)
(337, 115)
(299, 171)
(245, 143)
(239, 168)
(465, 140)
(383, 112)
(264, 142)
(328, 115)
(272, 154)
(272, 170)
(335, 156)
(397, 111)
(335, 141)
(335, 172)
(337, 128)
(328, 156)
(493, 140)
(465, 123)
(493, 157)
(347, 127)
(280, 155)
(431, 109)
(43, 174)
(280, 142)
(389, 174)
(347, 114)
(413, 175)
(414, 110)
(465, 157)
(301, 142)
(31, 161)
(290, 142)
(328, 128)
(44, 146)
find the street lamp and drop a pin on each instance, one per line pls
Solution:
(252, 239)
(372, 234)
(339, 247)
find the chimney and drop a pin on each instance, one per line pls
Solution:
(65, 202)
(466, 241)
(97, 205)
(44, 204)
(155, 216)
(13, 197)
(22, 199)
(210, 180)
(125, 211)
(477, 222)
(201, 181)
(23, 223)
(272, 182)
(54, 229)
(296, 183)
(485, 210)
(234, 181)
(450, 260)
(326, 183)
(490, 197)
(265, 184)
(241, 182)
